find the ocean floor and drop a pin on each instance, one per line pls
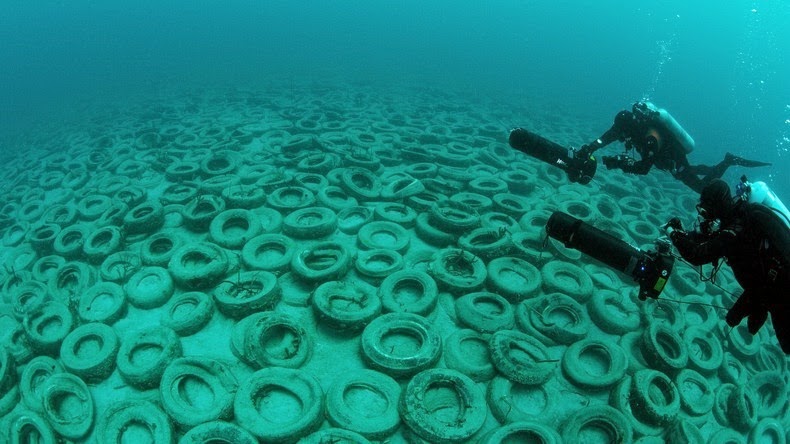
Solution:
(351, 264)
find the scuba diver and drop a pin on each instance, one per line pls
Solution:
(660, 141)
(752, 233)
(651, 131)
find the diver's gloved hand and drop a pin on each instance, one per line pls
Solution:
(672, 225)
(747, 306)
(583, 153)
(619, 161)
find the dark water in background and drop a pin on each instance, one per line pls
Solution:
(720, 68)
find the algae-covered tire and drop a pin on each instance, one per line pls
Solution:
(26, 426)
(233, 228)
(268, 252)
(351, 219)
(310, 223)
(160, 345)
(620, 398)
(768, 430)
(187, 313)
(332, 435)
(9, 389)
(458, 271)
(124, 414)
(321, 262)
(655, 397)
(568, 279)
(771, 390)
(198, 265)
(75, 423)
(386, 235)
(278, 340)
(513, 278)
(157, 249)
(590, 422)
(430, 234)
(728, 436)
(258, 405)
(684, 431)
(467, 351)
(742, 408)
(721, 403)
(149, 287)
(613, 312)
(364, 401)
(557, 317)
(398, 213)
(101, 243)
(89, 351)
(522, 431)
(104, 302)
(247, 292)
(696, 394)
(427, 408)
(48, 327)
(409, 291)
(346, 306)
(376, 265)
(218, 432)
(486, 243)
(119, 266)
(32, 380)
(704, 350)
(520, 357)
(401, 344)
(200, 376)
(238, 336)
(485, 312)
(513, 402)
(144, 218)
(594, 364)
(454, 217)
(663, 348)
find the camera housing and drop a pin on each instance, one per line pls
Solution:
(650, 269)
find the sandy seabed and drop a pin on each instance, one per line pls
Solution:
(394, 232)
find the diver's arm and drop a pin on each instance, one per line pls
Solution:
(700, 249)
(628, 164)
(620, 130)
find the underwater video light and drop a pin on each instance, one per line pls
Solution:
(578, 169)
(651, 269)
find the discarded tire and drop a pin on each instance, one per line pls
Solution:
(279, 404)
(345, 306)
(400, 344)
(187, 383)
(443, 406)
(89, 351)
(365, 402)
(145, 355)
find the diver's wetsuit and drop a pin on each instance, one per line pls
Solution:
(637, 129)
(758, 266)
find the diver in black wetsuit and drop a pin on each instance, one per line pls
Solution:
(755, 241)
(660, 141)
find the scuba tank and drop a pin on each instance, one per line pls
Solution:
(666, 122)
(759, 192)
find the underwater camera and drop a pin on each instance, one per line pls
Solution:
(651, 269)
(578, 169)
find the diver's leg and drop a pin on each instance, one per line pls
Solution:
(688, 177)
(732, 159)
